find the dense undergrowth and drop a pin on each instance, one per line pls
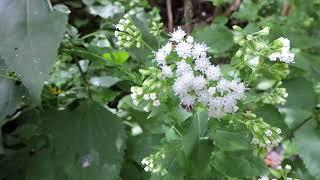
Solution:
(159, 89)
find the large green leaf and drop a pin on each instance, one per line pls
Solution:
(30, 37)
(300, 102)
(197, 129)
(227, 140)
(217, 36)
(307, 140)
(239, 164)
(87, 143)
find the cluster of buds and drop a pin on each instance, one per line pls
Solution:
(255, 45)
(156, 24)
(153, 163)
(264, 136)
(276, 96)
(282, 48)
(134, 7)
(152, 91)
(127, 33)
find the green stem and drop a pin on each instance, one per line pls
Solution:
(176, 130)
(50, 5)
(147, 45)
(85, 81)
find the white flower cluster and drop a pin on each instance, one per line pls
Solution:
(127, 33)
(196, 79)
(152, 163)
(151, 98)
(284, 55)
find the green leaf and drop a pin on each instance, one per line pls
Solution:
(272, 116)
(29, 41)
(307, 141)
(197, 130)
(239, 164)
(301, 101)
(119, 57)
(216, 36)
(231, 141)
(104, 81)
(87, 143)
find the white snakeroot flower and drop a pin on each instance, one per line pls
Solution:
(167, 71)
(139, 91)
(212, 90)
(213, 72)
(146, 97)
(274, 56)
(199, 82)
(184, 49)
(202, 64)
(153, 96)
(285, 55)
(199, 50)
(188, 100)
(189, 39)
(285, 42)
(268, 133)
(183, 68)
(278, 131)
(288, 167)
(156, 103)
(161, 54)
(146, 109)
(177, 35)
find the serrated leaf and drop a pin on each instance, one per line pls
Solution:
(87, 143)
(307, 141)
(29, 41)
(197, 129)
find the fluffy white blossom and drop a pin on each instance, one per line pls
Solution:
(184, 49)
(195, 78)
(213, 72)
(161, 54)
(177, 35)
(167, 71)
(199, 50)
(202, 63)
(183, 68)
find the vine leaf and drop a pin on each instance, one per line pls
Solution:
(29, 41)
(87, 143)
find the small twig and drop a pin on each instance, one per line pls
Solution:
(235, 6)
(84, 79)
(170, 15)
